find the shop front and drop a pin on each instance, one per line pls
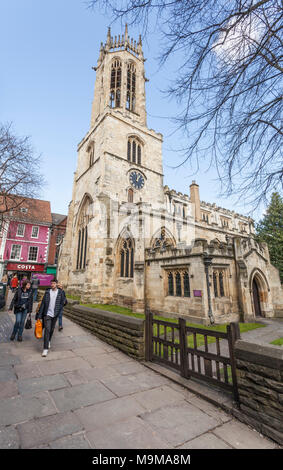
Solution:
(24, 269)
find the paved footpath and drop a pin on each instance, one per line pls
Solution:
(88, 395)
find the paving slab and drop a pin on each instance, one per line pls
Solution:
(6, 359)
(88, 351)
(77, 441)
(158, 397)
(99, 373)
(179, 423)
(25, 371)
(52, 355)
(128, 384)
(34, 385)
(75, 377)
(102, 360)
(81, 395)
(127, 368)
(8, 389)
(240, 436)
(108, 413)
(206, 441)
(7, 373)
(210, 409)
(9, 438)
(42, 431)
(130, 434)
(62, 365)
(20, 408)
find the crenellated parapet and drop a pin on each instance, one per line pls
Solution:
(121, 43)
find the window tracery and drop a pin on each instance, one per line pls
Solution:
(115, 84)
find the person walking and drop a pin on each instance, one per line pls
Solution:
(34, 284)
(22, 304)
(51, 305)
(60, 317)
(14, 283)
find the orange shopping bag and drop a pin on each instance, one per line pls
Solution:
(38, 329)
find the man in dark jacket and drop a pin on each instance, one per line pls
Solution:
(50, 308)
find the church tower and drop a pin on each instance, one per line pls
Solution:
(119, 162)
(120, 79)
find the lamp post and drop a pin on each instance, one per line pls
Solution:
(207, 260)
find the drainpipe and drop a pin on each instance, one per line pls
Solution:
(207, 260)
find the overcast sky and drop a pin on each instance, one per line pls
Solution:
(47, 84)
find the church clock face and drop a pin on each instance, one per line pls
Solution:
(136, 179)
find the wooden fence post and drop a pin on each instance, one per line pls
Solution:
(183, 348)
(148, 336)
(233, 331)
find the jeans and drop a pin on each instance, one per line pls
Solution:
(60, 316)
(34, 293)
(20, 323)
(49, 326)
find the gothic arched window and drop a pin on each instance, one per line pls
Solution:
(186, 284)
(163, 240)
(215, 284)
(127, 258)
(134, 150)
(84, 218)
(218, 283)
(178, 284)
(115, 84)
(131, 87)
(170, 284)
(221, 284)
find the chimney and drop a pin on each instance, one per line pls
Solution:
(194, 197)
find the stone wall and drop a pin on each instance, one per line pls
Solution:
(260, 384)
(122, 332)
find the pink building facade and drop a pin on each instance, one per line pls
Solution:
(27, 239)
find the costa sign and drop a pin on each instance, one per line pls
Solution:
(25, 267)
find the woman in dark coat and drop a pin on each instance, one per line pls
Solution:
(22, 303)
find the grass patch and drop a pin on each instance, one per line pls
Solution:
(73, 297)
(115, 309)
(278, 342)
(200, 338)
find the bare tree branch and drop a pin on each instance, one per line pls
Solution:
(228, 83)
(20, 175)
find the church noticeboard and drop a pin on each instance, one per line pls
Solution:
(197, 293)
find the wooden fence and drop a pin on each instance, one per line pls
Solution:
(186, 349)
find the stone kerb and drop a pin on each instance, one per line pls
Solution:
(260, 384)
(125, 333)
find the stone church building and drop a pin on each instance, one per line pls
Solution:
(132, 241)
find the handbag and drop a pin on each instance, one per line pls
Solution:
(28, 324)
(38, 329)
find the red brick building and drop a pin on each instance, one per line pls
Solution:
(58, 229)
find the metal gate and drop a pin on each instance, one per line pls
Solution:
(195, 352)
